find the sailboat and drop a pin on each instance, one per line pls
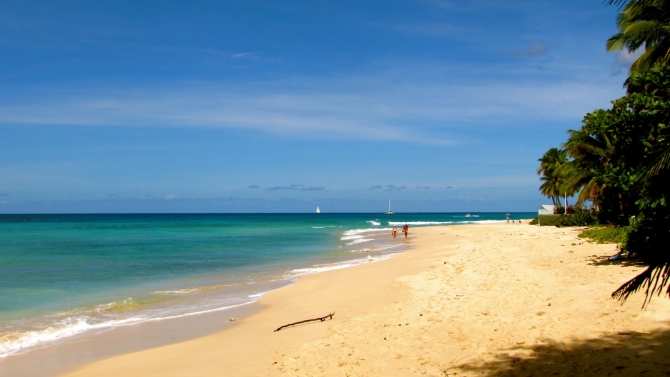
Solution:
(318, 210)
(389, 211)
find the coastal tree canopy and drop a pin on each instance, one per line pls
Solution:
(620, 159)
(643, 24)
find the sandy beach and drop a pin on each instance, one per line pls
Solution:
(494, 299)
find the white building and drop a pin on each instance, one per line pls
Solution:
(546, 209)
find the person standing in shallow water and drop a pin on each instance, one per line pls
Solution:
(405, 229)
(394, 231)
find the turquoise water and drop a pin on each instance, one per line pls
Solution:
(64, 275)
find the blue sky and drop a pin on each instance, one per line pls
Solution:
(282, 106)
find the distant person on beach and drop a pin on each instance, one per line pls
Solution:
(394, 232)
(508, 217)
(405, 229)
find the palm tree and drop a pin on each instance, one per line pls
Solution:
(550, 176)
(659, 167)
(589, 152)
(623, 3)
(644, 23)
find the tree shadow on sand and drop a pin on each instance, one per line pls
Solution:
(604, 260)
(622, 354)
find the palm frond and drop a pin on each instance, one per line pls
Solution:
(659, 165)
(654, 279)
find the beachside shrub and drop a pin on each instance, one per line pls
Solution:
(606, 234)
(620, 158)
(546, 220)
(559, 210)
(577, 218)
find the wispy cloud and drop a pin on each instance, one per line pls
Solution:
(535, 49)
(395, 188)
(423, 187)
(624, 59)
(297, 188)
(313, 188)
(628, 58)
(396, 104)
(252, 187)
(240, 55)
(435, 29)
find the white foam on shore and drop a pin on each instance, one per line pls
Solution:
(351, 237)
(400, 223)
(359, 240)
(356, 236)
(191, 290)
(176, 292)
(418, 223)
(389, 247)
(319, 268)
(360, 231)
(374, 222)
(335, 266)
(377, 249)
(13, 343)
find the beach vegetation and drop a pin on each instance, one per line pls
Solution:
(550, 174)
(606, 234)
(620, 158)
(577, 218)
(643, 24)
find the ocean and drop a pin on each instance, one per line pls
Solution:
(63, 276)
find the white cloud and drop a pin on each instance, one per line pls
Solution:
(535, 49)
(627, 58)
(418, 104)
(240, 55)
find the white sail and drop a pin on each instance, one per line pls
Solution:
(389, 211)
(318, 210)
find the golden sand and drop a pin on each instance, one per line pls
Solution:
(494, 299)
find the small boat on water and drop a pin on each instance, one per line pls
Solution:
(389, 212)
(318, 210)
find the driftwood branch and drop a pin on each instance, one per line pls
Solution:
(329, 316)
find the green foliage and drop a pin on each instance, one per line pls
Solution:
(608, 234)
(590, 150)
(620, 159)
(579, 218)
(643, 24)
(550, 174)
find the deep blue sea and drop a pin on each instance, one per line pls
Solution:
(64, 275)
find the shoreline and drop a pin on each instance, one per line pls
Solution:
(464, 299)
(26, 341)
(57, 357)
